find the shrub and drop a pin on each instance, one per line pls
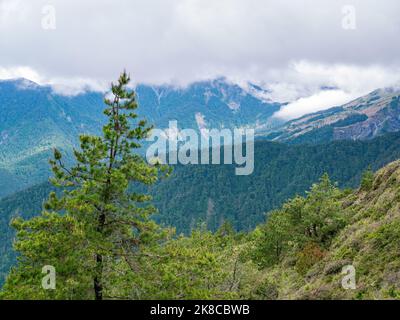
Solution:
(310, 255)
(267, 291)
(367, 180)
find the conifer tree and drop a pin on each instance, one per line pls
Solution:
(97, 220)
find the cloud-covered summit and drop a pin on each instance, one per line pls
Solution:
(291, 47)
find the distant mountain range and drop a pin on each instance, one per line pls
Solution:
(34, 119)
(364, 118)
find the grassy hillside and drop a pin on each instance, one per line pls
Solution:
(369, 241)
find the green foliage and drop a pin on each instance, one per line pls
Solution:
(267, 291)
(301, 228)
(367, 180)
(281, 172)
(363, 232)
(59, 241)
(187, 268)
(321, 216)
(386, 235)
(273, 239)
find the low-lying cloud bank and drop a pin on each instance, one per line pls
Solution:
(306, 87)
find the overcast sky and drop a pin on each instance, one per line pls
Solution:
(292, 47)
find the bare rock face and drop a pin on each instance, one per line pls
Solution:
(383, 114)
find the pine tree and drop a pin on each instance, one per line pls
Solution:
(104, 220)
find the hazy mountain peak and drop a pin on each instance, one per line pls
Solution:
(22, 83)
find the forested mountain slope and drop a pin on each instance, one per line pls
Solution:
(34, 119)
(213, 194)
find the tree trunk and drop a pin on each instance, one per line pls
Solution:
(98, 278)
(98, 281)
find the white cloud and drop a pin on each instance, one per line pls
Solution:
(293, 48)
(185, 40)
(319, 101)
(312, 87)
(20, 72)
(74, 86)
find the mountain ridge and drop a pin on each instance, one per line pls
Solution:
(363, 118)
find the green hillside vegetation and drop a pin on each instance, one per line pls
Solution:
(361, 229)
(298, 253)
(212, 194)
